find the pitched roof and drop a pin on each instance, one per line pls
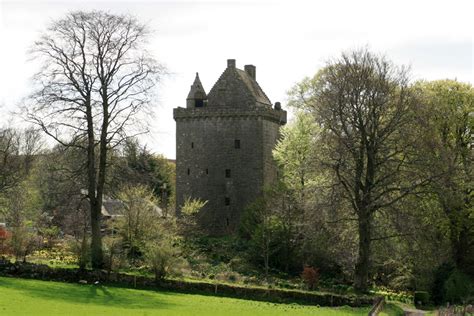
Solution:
(236, 88)
(116, 208)
(196, 89)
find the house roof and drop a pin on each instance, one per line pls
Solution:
(115, 208)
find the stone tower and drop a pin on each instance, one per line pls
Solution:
(224, 143)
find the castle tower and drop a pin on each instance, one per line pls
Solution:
(224, 143)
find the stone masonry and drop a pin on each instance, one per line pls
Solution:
(224, 143)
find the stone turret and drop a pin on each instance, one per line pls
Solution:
(197, 95)
(224, 143)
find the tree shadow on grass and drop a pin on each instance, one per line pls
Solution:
(89, 294)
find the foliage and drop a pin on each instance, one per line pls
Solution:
(58, 256)
(365, 109)
(421, 298)
(162, 258)
(81, 250)
(448, 121)
(441, 274)
(140, 219)
(263, 229)
(459, 288)
(192, 206)
(295, 154)
(310, 277)
(113, 253)
(133, 165)
(390, 295)
(20, 209)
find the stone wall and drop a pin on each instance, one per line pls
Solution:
(205, 141)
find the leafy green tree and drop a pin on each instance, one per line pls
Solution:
(295, 153)
(140, 219)
(263, 227)
(448, 121)
(21, 208)
(162, 256)
(135, 165)
(362, 103)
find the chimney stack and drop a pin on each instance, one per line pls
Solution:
(230, 63)
(251, 71)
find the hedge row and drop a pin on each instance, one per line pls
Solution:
(44, 272)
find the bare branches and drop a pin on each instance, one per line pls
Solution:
(96, 78)
(89, 57)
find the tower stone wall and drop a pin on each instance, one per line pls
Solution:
(224, 144)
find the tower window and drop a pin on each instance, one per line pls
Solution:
(227, 220)
(199, 103)
(207, 171)
(237, 143)
(227, 173)
(227, 201)
(189, 171)
(192, 145)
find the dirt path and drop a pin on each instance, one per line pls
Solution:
(413, 312)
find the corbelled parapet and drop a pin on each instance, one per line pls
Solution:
(277, 116)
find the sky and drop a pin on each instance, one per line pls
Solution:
(285, 40)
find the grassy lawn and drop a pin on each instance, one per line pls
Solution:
(32, 297)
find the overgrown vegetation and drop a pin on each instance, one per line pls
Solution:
(374, 191)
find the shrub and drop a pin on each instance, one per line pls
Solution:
(421, 298)
(310, 277)
(438, 292)
(81, 250)
(459, 287)
(162, 258)
(112, 248)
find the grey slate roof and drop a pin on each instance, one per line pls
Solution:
(236, 88)
(115, 208)
(196, 88)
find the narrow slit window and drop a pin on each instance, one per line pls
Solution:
(227, 201)
(227, 173)
(207, 171)
(192, 145)
(227, 220)
(189, 171)
(237, 143)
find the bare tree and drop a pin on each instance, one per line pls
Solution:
(18, 149)
(10, 165)
(363, 104)
(95, 82)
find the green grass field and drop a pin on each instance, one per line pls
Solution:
(31, 297)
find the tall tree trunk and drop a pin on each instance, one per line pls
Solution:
(95, 201)
(97, 252)
(97, 256)
(363, 261)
